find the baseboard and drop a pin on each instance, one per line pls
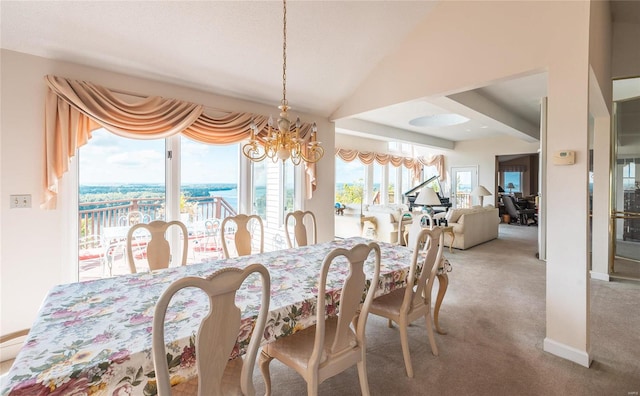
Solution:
(599, 276)
(567, 352)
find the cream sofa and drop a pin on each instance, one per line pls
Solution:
(379, 222)
(388, 218)
(471, 226)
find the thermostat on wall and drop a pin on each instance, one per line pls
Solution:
(564, 157)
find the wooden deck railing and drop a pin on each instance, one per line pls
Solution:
(94, 216)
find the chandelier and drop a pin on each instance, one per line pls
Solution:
(281, 142)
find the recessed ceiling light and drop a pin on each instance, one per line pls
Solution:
(438, 120)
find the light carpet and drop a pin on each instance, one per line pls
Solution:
(494, 312)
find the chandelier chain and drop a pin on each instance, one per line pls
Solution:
(281, 142)
(284, 54)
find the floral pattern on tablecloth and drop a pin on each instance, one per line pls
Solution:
(95, 337)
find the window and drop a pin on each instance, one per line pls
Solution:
(117, 176)
(288, 188)
(259, 177)
(629, 176)
(407, 182)
(350, 178)
(512, 177)
(378, 183)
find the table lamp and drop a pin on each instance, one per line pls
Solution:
(480, 191)
(510, 186)
(428, 197)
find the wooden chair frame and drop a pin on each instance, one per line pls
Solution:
(337, 343)
(158, 249)
(405, 305)
(217, 333)
(299, 228)
(242, 238)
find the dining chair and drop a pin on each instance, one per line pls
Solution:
(245, 230)
(300, 234)
(10, 343)
(413, 301)
(217, 335)
(133, 217)
(156, 249)
(336, 343)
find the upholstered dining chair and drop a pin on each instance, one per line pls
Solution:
(157, 248)
(300, 234)
(413, 301)
(216, 337)
(336, 343)
(245, 230)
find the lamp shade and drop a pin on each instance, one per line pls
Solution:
(427, 197)
(480, 191)
(500, 189)
(510, 185)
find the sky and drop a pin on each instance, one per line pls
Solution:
(110, 159)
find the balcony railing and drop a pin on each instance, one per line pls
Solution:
(94, 216)
(463, 200)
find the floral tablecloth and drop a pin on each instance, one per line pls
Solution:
(95, 337)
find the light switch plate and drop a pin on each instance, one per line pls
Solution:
(20, 201)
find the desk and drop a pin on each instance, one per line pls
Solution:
(95, 337)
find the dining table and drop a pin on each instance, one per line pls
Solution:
(95, 337)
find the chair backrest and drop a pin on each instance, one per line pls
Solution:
(157, 248)
(243, 236)
(133, 217)
(510, 205)
(299, 229)
(428, 245)
(419, 222)
(218, 330)
(350, 306)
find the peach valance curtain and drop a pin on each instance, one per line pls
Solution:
(73, 109)
(438, 162)
(413, 164)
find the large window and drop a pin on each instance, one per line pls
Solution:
(259, 172)
(513, 178)
(350, 177)
(174, 178)
(288, 187)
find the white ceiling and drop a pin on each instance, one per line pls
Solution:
(234, 48)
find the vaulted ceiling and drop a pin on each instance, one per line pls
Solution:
(234, 48)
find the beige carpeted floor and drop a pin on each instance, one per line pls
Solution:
(494, 312)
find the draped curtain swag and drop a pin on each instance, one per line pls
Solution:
(512, 168)
(412, 164)
(73, 109)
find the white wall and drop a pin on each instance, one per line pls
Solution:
(33, 242)
(626, 54)
(482, 153)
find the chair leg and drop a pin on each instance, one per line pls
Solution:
(390, 323)
(432, 340)
(265, 360)
(312, 386)
(404, 341)
(362, 374)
